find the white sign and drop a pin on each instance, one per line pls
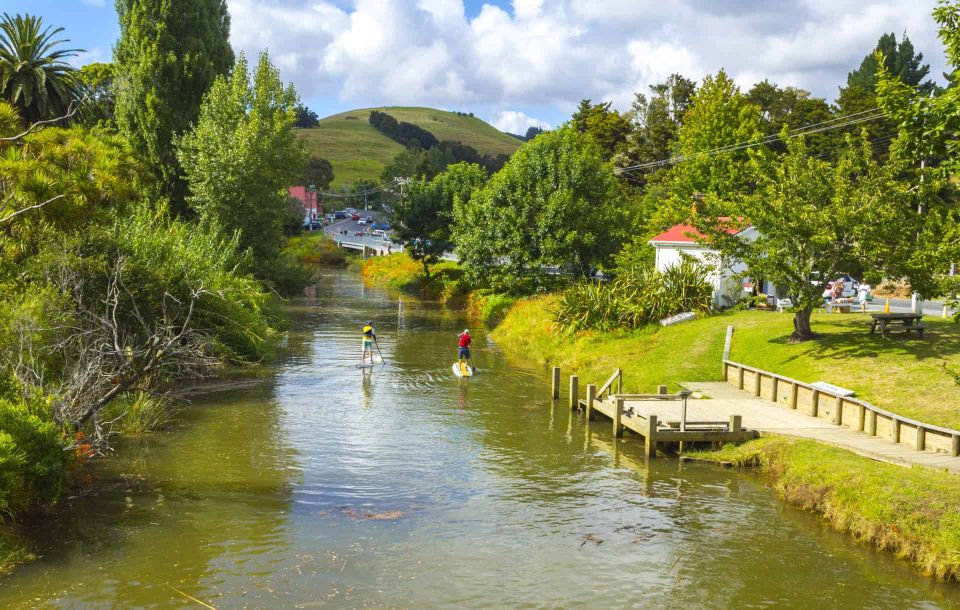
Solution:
(833, 389)
(677, 319)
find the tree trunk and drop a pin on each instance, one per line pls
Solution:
(801, 325)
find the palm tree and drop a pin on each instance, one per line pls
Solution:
(33, 76)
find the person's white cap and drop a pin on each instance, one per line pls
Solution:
(467, 332)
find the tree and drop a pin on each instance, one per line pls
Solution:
(428, 214)
(97, 84)
(655, 122)
(899, 60)
(306, 118)
(607, 127)
(168, 56)
(810, 218)
(720, 118)
(532, 132)
(33, 76)
(553, 205)
(318, 172)
(242, 155)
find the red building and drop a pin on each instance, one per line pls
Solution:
(308, 197)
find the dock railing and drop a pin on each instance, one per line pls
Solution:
(841, 410)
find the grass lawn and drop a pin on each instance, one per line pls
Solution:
(358, 151)
(917, 518)
(901, 374)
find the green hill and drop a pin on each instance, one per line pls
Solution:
(358, 151)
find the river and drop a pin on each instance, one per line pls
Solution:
(328, 486)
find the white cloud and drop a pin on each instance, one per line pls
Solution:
(97, 3)
(551, 54)
(514, 121)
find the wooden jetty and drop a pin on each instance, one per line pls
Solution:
(661, 418)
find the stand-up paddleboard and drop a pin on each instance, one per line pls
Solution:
(462, 371)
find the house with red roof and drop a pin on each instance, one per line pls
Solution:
(308, 197)
(682, 240)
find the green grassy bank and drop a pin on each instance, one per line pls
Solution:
(914, 513)
(315, 249)
(904, 375)
(12, 552)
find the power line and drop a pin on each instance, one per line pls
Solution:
(369, 191)
(845, 121)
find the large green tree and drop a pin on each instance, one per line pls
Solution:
(608, 127)
(811, 217)
(552, 206)
(97, 84)
(242, 155)
(168, 55)
(428, 213)
(33, 74)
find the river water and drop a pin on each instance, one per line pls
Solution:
(402, 487)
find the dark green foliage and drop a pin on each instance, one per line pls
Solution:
(405, 133)
(168, 56)
(899, 59)
(428, 212)
(318, 172)
(306, 118)
(33, 459)
(532, 132)
(33, 76)
(607, 127)
(98, 86)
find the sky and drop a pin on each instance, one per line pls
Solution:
(519, 63)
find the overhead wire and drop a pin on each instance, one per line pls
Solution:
(834, 123)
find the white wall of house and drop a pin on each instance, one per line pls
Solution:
(727, 288)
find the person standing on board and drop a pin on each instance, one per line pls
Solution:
(369, 337)
(463, 354)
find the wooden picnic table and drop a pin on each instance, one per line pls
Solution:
(886, 322)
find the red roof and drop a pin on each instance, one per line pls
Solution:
(684, 233)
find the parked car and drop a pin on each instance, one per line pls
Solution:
(340, 215)
(369, 219)
(362, 221)
(355, 217)
(379, 233)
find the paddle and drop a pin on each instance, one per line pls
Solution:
(377, 343)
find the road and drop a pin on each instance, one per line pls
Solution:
(930, 308)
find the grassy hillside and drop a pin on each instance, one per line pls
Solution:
(357, 150)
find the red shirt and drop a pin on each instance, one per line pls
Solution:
(465, 340)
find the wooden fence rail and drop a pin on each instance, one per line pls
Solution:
(842, 410)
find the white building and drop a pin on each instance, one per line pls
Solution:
(728, 285)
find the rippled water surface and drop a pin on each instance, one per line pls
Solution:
(400, 487)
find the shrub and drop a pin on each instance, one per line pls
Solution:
(33, 459)
(642, 297)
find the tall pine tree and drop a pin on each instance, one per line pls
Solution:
(169, 53)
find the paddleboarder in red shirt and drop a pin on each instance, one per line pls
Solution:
(463, 353)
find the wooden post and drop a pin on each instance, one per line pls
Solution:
(872, 423)
(661, 390)
(955, 445)
(555, 390)
(921, 438)
(619, 381)
(574, 391)
(736, 423)
(756, 383)
(896, 430)
(861, 416)
(838, 414)
(815, 403)
(617, 415)
(726, 352)
(591, 396)
(794, 392)
(650, 438)
(773, 393)
(740, 377)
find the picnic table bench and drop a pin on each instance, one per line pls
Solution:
(888, 322)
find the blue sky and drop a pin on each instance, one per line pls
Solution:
(518, 63)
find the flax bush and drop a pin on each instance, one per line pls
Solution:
(635, 299)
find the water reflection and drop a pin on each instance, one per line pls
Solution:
(401, 486)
